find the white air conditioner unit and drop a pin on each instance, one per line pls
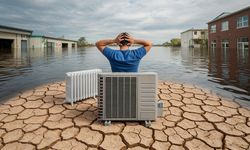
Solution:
(127, 97)
(81, 85)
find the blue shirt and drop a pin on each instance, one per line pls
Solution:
(124, 60)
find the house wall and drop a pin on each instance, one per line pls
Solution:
(199, 35)
(16, 37)
(188, 36)
(58, 43)
(232, 34)
(37, 42)
(41, 42)
(185, 38)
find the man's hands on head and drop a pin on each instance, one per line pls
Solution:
(118, 39)
(103, 43)
(131, 40)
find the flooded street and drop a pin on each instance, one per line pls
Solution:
(224, 71)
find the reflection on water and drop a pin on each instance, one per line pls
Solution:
(224, 71)
(231, 67)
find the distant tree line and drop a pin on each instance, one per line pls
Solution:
(83, 42)
(176, 42)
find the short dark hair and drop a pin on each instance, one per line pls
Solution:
(124, 41)
(124, 33)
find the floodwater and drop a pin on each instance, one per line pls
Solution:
(225, 72)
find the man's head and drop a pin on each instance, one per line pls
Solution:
(124, 40)
(124, 37)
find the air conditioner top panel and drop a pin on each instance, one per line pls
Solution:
(84, 71)
(127, 73)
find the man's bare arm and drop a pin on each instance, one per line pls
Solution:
(147, 44)
(103, 43)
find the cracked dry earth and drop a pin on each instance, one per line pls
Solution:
(193, 119)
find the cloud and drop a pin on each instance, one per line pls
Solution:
(158, 20)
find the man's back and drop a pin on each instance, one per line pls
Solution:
(124, 60)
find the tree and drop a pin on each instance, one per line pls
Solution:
(166, 44)
(82, 42)
(175, 42)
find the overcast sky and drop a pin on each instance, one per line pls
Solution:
(156, 20)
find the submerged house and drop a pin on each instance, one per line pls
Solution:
(194, 38)
(40, 41)
(14, 38)
(19, 40)
(230, 30)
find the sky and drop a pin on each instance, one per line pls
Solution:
(155, 20)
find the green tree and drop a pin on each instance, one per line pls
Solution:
(82, 42)
(166, 44)
(175, 42)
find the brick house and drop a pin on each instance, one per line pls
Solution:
(230, 30)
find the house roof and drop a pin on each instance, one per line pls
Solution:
(192, 29)
(226, 14)
(49, 37)
(14, 28)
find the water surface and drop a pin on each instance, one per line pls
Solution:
(224, 71)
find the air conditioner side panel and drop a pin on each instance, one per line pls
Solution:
(147, 97)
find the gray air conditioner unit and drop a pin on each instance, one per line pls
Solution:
(127, 97)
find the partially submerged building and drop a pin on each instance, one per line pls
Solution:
(230, 30)
(14, 38)
(38, 41)
(194, 38)
(22, 39)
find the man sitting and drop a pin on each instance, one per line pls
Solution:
(124, 60)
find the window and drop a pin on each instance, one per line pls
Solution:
(213, 29)
(195, 32)
(213, 44)
(202, 32)
(224, 26)
(242, 22)
(224, 43)
(242, 39)
(242, 43)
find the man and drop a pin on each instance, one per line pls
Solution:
(124, 60)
